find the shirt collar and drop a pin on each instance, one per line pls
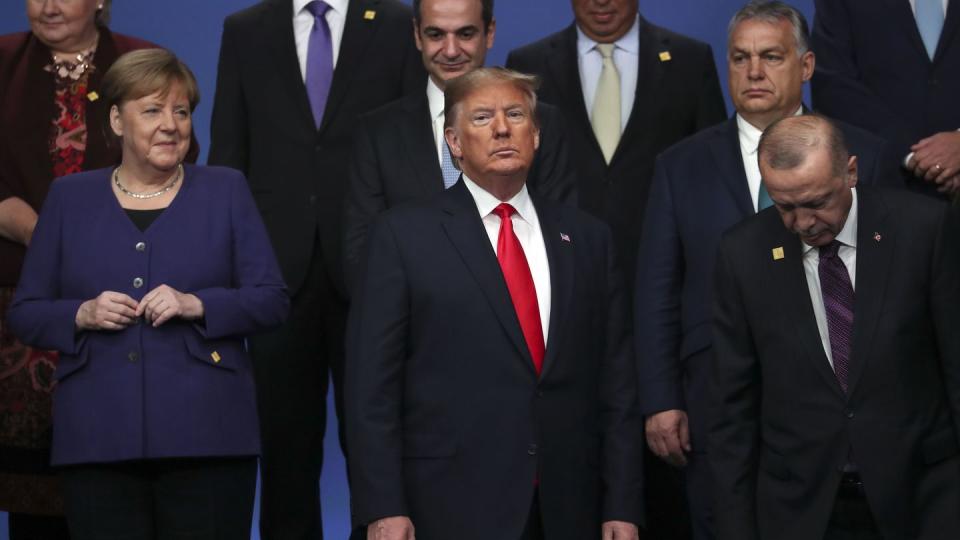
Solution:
(340, 6)
(750, 135)
(434, 99)
(848, 234)
(630, 42)
(486, 202)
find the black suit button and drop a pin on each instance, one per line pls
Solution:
(933, 81)
(532, 450)
(539, 393)
(849, 413)
(133, 356)
(313, 200)
(318, 148)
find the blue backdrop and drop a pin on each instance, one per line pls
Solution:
(191, 28)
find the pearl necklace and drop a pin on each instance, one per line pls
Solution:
(170, 183)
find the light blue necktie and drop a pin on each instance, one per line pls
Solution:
(450, 173)
(763, 198)
(930, 23)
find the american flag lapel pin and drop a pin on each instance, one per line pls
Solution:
(876, 236)
(565, 237)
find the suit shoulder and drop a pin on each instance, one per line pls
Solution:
(859, 138)
(78, 184)
(12, 42)
(384, 114)
(676, 39)
(127, 43)
(247, 18)
(694, 146)
(529, 54)
(395, 10)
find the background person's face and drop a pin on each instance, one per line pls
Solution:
(65, 25)
(605, 21)
(451, 38)
(155, 129)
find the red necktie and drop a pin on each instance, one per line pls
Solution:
(519, 280)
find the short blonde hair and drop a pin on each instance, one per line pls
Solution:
(144, 72)
(459, 88)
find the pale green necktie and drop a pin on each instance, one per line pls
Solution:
(606, 104)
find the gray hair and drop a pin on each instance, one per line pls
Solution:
(786, 144)
(774, 11)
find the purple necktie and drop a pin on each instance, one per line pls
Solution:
(838, 301)
(319, 60)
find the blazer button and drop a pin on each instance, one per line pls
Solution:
(532, 450)
(137, 283)
(140, 246)
(849, 414)
(133, 356)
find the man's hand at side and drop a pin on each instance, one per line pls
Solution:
(391, 528)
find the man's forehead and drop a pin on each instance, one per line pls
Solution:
(756, 33)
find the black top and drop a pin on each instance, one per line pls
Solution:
(143, 218)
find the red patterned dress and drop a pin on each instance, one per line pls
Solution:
(26, 374)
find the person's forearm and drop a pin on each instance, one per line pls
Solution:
(17, 220)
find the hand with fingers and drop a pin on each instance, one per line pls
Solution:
(108, 311)
(668, 435)
(391, 528)
(164, 303)
(619, 530)
(937, 159)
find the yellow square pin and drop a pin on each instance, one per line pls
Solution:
(369, 14)
(777, 253)
(93, 96)
(665, 56)
(216, 357)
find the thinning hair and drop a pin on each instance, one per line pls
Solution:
(786, 144)
(460, 87)
(486, 13)
(773, 11)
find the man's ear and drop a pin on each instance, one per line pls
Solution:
(453, 142)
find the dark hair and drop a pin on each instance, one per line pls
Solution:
(786, 143)
(486, 12)
(774, 11)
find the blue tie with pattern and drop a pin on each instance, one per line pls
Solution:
(930, 23)
(450, 172)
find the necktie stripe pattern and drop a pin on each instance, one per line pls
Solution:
(838, 299)
(319, 60)
(450, 172)
(930, 23)
(516, 272)
(606, 104)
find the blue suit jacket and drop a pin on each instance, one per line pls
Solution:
(699, 191)
(183, 389)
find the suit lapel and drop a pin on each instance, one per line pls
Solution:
(873, 260)
(901, 10)
(951, 23)
(725, 149)
(279, 26)
(560, 255)
(565, 68)
(465, 230)
(791, 280)
(650, 72)
(357, 33)
(417, 137)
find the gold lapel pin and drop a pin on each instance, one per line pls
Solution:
(216, 357)
(93, 96)
(777, 253)
(665, 56)
(369, 14)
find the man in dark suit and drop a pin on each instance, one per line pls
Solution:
(891, 67)
(488, 391)
(701, 187)
(399, 153)
(657, 88)
(837, 412)
(292, 79)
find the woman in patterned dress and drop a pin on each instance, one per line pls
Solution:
(49, 82)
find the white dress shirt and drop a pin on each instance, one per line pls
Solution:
(626, 56)
(526, 225)
(303, 24)
(749, 142)
(811, 265)
(435, 102)
(913, 5)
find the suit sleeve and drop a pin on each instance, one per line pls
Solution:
(376, 351)
(552, 173)
(228, 126)
(945, 307)
(38, 315)
(711, 109)
(660, 270)
(257, 299)
(837, 88)
(734, 438)
(622, 426)
(365, 199)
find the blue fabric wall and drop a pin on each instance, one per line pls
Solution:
(191, 28)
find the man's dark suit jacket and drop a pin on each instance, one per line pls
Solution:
(784, 428)
(675, 98)
(262, 124)
(447, 421)
(395, 161)
(873, 70)
(699, 191)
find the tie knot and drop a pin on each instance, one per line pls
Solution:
(606, 50)
(319, 8)
(830, 250)
(504, 210)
